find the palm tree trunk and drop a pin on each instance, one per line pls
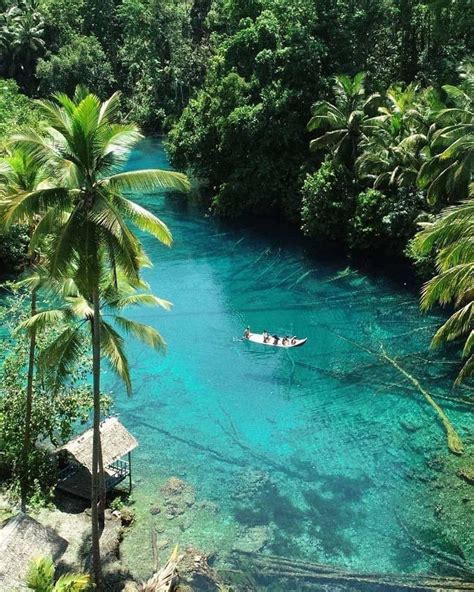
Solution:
(102, 492)
(25, 453)
(96, 445)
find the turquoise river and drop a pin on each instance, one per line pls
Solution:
(324, 453)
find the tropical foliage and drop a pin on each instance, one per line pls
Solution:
(89, 257)
(353, 122)
(40, 578)
(55, 411)
(16, 112)
(277, 66)
(451, 235)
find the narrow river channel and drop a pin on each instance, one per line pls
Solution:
(323, 453)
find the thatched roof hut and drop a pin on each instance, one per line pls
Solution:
(117, 442)
(23, 539)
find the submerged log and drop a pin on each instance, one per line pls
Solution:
(455, 444)
(283, 567)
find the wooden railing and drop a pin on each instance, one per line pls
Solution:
(117, 472)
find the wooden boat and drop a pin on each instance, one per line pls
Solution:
(258, 338)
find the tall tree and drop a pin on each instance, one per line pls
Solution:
(21, 172)
(342, 123)
(22, 41)
(450, 237)
(86, 145)
(447, 174)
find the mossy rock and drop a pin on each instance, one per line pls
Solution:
(127, 516)
(467, 474)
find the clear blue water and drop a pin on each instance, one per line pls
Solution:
(321, 453)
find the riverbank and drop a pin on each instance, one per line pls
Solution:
(68, 519)
(178, 514)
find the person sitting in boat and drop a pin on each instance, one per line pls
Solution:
(266, 337)
(293, 340)
(275, 339)
(285, 340)
(247, 333)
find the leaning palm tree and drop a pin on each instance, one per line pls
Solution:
(451, 236)
(343, 122)
(40, 578)
(86, 147)
(20, 173)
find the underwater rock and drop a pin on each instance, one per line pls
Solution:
(409, 424)
(250, 483)
(185, 523)
(194, 571)
(253, 539)
(178, 497)
(211, 507)
(155, 510)
(127, 516)
(436, 463)
(160, 545)
(173, 486)
(467, 474)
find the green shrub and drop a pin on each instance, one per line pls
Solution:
(13, 249)
(385, 221)
(328, 202)
(16, 110)
(81, 61)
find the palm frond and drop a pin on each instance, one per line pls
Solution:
(41, 574)
(148, 180)
(110, 108)
(140, 300)
(458, 324)
(144, 220)
(22, 206)
(44, 319)
(466, 371)
(142, 332)
(61, 355)
(112, 346)
(447, 286)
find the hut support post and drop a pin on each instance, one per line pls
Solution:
(129, 473)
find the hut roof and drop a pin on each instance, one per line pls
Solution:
(23, 539)
(116, 442)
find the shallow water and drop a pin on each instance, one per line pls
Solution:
(313, 453)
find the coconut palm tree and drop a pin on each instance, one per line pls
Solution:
(40, 578)
(396, 145)
(343, 122)
(20, 172)
(86, 146)
(448, 173)
(22, 39)
(74, 314)
(451, 236)
(389, 159)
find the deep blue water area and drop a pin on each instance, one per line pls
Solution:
(323, 453)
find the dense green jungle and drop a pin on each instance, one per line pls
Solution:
(310, 164)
